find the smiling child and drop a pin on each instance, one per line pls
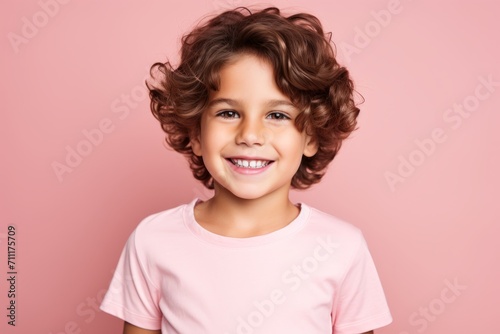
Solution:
(258, 105)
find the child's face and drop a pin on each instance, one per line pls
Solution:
(248, 139)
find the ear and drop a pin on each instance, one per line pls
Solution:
(196, 145)
(311, 147)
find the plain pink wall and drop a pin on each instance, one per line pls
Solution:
(420, 176)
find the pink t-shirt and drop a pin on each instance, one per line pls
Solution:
(314, 276)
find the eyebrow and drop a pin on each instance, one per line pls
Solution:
(234, 103)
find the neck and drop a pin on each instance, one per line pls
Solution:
(229, 215)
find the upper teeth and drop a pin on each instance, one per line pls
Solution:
(250, 163)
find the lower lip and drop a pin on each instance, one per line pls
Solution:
(248, 171)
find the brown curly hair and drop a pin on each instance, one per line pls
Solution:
(305, 70)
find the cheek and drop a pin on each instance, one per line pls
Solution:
(212, 141)
(292, 148)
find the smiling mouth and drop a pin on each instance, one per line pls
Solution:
(242, 163)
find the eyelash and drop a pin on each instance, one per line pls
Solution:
(228, 114)
(225, 114)
(282, 116)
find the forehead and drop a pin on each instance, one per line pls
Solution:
(247, 77)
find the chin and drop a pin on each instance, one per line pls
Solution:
(253, 193)
(247, 195)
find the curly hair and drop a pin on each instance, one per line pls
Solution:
(305, 70)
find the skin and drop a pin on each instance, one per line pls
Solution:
(131, 329)
(248, 118)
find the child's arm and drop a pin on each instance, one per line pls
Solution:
(131, 329)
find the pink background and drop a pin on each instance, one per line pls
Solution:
(82, 68)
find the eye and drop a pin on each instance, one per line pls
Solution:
(228, 114)
(278, 116)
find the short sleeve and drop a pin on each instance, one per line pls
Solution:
(360, 305)
(132, 295)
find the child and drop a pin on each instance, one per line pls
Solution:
(258, 105)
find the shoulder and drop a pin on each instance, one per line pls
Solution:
(157, 238)
(345, 241)
(160, 226)
(323, 222)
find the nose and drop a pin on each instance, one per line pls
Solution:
(251, 132)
